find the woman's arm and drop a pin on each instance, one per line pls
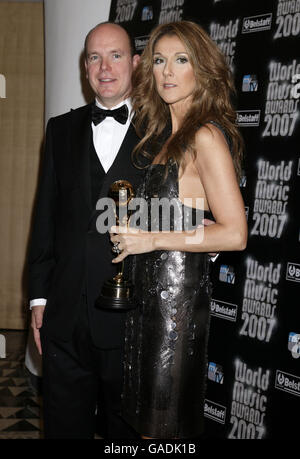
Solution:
(216, 171)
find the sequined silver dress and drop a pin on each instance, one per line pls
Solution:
(166, 335)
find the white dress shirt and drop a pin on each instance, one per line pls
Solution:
(108, 137)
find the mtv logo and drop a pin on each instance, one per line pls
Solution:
(147, 13)
(211, 370)
(294, 344)
(250, 83)
(215, 373)
(227, 274)
(243, 181)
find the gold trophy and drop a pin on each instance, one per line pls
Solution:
(117, 293)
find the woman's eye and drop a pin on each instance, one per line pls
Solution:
(157, 60)
(182, 59)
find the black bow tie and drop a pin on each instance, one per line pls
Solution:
(119, 114)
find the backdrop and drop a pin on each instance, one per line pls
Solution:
(254, 348)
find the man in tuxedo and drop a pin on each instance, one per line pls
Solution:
(86, 150)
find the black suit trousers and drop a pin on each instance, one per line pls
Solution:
(78, 377)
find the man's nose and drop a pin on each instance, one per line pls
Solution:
(104, 64)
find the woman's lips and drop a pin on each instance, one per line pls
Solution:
(169, 85)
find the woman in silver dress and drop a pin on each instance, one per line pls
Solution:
(182, 90)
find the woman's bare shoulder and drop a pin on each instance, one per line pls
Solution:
(210, 136)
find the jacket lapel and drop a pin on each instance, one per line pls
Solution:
(81, 138)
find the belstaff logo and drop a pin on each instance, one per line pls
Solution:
(223, 310)
(287, 382)
(214, 411)
(248, 118)
(293, 272)
(257, 23)
(141, 42)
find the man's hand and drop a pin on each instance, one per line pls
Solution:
(37, 314)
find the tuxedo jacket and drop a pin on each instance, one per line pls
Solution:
(68, 257)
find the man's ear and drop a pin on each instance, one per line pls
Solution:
(135, 60)
(85, 66)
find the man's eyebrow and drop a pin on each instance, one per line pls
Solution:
(109, 52)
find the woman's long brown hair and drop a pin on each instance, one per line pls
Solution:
(212, 98)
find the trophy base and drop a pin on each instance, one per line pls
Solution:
(116, 296)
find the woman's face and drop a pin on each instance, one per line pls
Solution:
(173, 72)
